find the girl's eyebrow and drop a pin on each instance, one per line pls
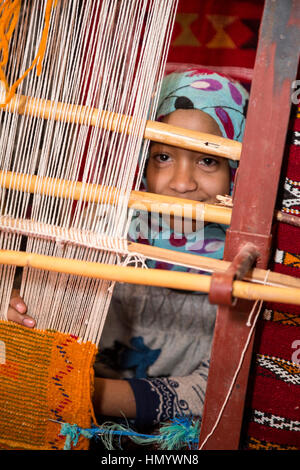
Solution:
(159, 147)
(209, 155)
(159, 144)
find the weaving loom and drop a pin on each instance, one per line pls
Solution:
(106, 55)
(73, 147)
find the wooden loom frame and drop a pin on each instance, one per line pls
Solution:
(262, 153)
(231, 320)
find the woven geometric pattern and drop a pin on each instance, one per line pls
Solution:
(272, 418)
(256, 444)
(216, 33)
(286, 318)
(44, 376)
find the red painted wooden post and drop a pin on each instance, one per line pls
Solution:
(254, 201)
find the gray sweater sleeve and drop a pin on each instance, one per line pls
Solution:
(164, 398)
(159, 340)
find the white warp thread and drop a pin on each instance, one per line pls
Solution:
(103, 54)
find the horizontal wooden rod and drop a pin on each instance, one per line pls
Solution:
(248, 291)
(139, 200)
(211, 264)
(180, 207)
(155, 131)
(152, 277)
(85, 238)
(287, 218)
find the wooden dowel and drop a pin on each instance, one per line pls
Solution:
(192, 140)
(85, 238)
(139, 200)
(286, 295)
(155, 131)
(152, 277)
(212, 264)
(180, 207)
(107, 195)
(288, 218)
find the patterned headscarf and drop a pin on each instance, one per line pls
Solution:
(222, 98)
(225, 100)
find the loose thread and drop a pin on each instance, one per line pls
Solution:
(239, 365)
(136, 258)
(10, 16)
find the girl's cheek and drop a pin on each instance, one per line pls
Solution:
(155, 181)
(213, 186)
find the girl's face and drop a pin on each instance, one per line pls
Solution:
(173, 171)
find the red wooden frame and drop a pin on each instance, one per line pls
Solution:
(254, 202)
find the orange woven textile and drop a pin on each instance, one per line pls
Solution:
(44, 376)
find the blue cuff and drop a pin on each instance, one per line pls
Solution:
(147, 403)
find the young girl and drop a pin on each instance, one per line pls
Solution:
(159, 339)
(207, 102)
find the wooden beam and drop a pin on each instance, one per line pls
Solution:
(255, 195)
(108, 120)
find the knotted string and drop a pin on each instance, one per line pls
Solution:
(248, 323)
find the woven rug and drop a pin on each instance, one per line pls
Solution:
(45, 378)
(216, 33)
(272, 419)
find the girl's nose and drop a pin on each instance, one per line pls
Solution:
(183, 181)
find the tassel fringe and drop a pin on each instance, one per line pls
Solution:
(180, 433)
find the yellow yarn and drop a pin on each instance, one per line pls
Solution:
(9, 16)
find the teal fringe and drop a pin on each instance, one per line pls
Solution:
(180, 433)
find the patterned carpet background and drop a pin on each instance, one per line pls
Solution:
(217, 33)
(272, 419)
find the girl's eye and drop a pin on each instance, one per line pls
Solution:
(208, 162)
(162, 157)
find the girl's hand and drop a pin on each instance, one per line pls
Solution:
(17, 311)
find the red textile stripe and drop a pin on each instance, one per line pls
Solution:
(287, 233)
(277, 340)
